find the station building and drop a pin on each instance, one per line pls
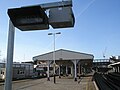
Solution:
(67, 62)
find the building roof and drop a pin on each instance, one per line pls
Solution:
(115, 64)
(62, 54)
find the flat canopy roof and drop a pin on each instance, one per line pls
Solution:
(115, 64)
(63, 55)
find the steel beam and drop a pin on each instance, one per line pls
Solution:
(54, 4)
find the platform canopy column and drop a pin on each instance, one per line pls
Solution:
(72, 73)
(59, 72)
(79, 69)
(66, 70)
(48, 70)
(75, 67)
(117, 68)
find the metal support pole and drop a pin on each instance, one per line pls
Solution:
(54, 64)
(72, 71)
(59, 72)
(48, 71)
(75, 69)
(75, 64)
(10, 49)
(66, 70)
(79, 69)
(54, 57)
(119, 68)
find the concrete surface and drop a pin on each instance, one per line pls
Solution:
(64, 83)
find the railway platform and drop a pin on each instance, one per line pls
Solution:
(63, 83)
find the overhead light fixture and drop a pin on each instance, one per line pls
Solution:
(29, 18)
(61, 17)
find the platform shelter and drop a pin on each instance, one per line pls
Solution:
(74, 63)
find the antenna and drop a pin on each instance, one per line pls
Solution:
(0, 55)
(24, 57)
(104, 52)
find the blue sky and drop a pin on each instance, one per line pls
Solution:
(96, 30)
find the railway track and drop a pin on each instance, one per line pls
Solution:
(104, 82)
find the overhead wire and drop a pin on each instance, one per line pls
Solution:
(84, 9)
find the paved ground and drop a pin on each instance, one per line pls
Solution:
(85, 83)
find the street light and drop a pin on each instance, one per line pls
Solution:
(66, 17)
(28, 18)
(25, 19)
(54, 64)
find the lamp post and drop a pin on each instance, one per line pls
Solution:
(54, 53)
(10, 49)
(19, 20)
(30, 18)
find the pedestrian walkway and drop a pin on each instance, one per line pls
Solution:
(84, 83)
